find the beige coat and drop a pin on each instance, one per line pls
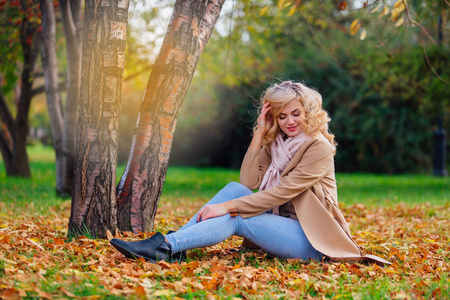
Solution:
(308, 181)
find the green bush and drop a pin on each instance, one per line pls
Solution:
(384, 111)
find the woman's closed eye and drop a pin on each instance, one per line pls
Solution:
(282, 117)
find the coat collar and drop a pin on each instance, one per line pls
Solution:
(319, 138)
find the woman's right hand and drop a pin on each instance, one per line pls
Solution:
(264, 119)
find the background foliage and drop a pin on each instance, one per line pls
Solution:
(384, 101)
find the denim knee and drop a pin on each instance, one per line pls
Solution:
(239, 188)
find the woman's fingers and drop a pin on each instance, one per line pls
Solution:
(200, 215)
(204, 214)
(264, 121)
(266, 108)
(211, 211)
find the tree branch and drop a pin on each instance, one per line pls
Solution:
(41, 74)
(380, 42)
(62, 86)
(315, 37)
(68, 21)
(5, 145)
(408, 16)
(429, 63)
(5, 113)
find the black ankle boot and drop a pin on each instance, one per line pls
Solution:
(152, 249)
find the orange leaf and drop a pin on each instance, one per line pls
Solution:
(5, 240)
(436, 292)
(140, 290)
(58, 241)
(218, 269)
(343, 5)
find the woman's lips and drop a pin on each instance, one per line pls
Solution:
(291, 128)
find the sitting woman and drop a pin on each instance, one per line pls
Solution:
(295, 213)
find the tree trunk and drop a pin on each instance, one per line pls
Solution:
(13, 136)
(6, 141)
(94, 204)
(141, 184)
(71, 18)
(50, 65)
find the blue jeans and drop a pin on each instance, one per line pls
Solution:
(278, 236)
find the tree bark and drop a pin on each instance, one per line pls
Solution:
(50, 65)
(71, 18)
(13, 135)
(6, 141)
(94, 204)
(141, 184)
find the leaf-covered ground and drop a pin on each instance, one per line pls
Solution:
(37, 260)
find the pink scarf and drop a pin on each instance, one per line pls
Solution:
(282, 153)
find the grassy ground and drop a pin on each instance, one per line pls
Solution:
(194, 183)
(402, 218)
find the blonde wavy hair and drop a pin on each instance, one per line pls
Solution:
(316, 119)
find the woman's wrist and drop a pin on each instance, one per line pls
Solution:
(256, 143)
(230, 207)
(259, 133)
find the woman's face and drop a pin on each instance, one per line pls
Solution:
(291, 118)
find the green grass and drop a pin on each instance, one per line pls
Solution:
(196, 183)
(373, 189)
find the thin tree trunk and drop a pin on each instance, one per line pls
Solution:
(71, 18)
(6, 141)
(13, 136)
(21, 166)
(50, 65)
(141, 184)
(94, 204)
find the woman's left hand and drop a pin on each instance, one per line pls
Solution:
(215, 210)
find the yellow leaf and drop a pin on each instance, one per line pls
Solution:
(292, 11)
(399, 22)
(287, 4)
(355, 21)
(395, 13)
(354, 27)
(264, 10)
(400, 8)
(166, 293)
(295, 281)
(376, 8)
(399, 4)
(363, 34)
(274, 271)
(384, 12)
(280, 4)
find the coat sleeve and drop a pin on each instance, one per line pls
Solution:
(254, 166)
(310, 170)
